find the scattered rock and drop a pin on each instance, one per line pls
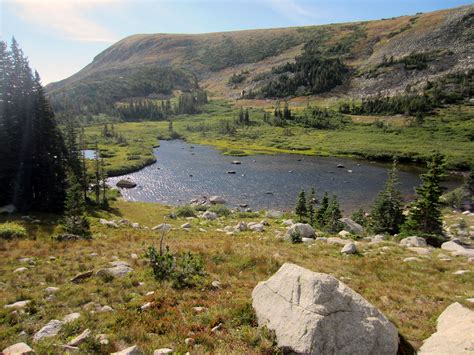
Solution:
(146, 306)
(120, 270)
(288, 222)
(314, 313)
(216, 200)
(82, 276)
(19, 304)
(199, 309)
(126, 184)
(217, 328)
(274, 214)
(49, 330)
(134, 256)
(308, 240)
(189, 341)
(105, 309)
(303, 229)
(216, 285)
(163, 351)
(71, 317)
(103, 339)
(107, 223)
(80, 338)
(241, 226)
(421, 251)
(454, 333)
(410, 259)
(133, 350)
(413, 242)
(460, 272)
(349, 248)
(163, 227)
(351, 226)
(378, 238)
(344, 234)
(209, 215)
(322, 239)
(256, 227)
(18, 349)
(186, 225)
(135, 225)
(27, 261)
(338, 241)
(457, 249)
(20, 269)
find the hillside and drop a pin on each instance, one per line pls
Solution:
(383, 56)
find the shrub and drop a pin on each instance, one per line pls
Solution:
(185, 211)
(220, 210)
(12, 230)
(295, 237)
(183, 270)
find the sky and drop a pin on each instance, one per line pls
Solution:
(62, 36)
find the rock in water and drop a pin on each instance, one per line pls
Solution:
(216, 200)
(18, 349)
(314, 313)
(126, 184)
(454, 335)
(351, 226)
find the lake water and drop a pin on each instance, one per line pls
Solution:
(184, 172)
(89, 153)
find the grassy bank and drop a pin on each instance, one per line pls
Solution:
(449, 131)
(410, 294)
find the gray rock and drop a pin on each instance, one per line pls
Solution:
(410, 259)
(126, 184)
(457, 249)
(51, 289)
(19, 304)
(314, 313)
(80, 338)
(349, 248)
(82, 276)
(378, 238)
(351, 226)
(344, 234)
(337, 241)
(163, 351)
(241, 226)
(133, 350)
(303, 229)
(49, 330)
(105, 309)
(71, 317)
(120, 270)
(460, 272)
(209, 215)
(256, 227)
(421, 251)
(189, 341)
(135, 225)
(274, 214)
(107, 223)
(163, 227)
(20, 269)
(308, 240)
(186, 225)
(413, 242)
(454, 335)
(216, 200)
(18, 349)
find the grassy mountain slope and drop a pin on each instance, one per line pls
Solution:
(443, 37)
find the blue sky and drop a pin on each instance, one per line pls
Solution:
(62, 36)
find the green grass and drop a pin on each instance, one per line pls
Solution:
(411, 295)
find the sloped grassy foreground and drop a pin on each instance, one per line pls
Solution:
(216, 315)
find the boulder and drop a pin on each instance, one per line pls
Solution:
(82, 276)
(80, 338)
(71, 317)
(337, 241)
(209, 215)
(349, 248)
(216, 200)
(314, 313)
(308, 240)
(133, 350)
(19, 304)
(288, 222)
(454, 333)
(49, 330)
(351, 226)
(421, 251)
(120, 270)
(126, 184)
(163, 227)
(163, 351)
(18, 349)
(241, 226)
(303, 229)
(20, 269)
(344, 234)
(186, 225)
(273, 214)
(107, 223)
(457, 249)
(256, 227)
(413, 242)
(410, 259)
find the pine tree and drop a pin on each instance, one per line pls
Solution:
(300, 208)
(103, 179)
(310, 207)
(75, 221)
(332, 216)
(424, 216)
(97, 174)
(322, 210)
(387, 212)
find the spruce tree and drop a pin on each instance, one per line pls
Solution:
(300, 209)
(425, 216)
(332, 216)
(75, 221)
(322, 210)
(387, 212)
(310, 207)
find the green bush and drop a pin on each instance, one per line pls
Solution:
(220, 210)
(185, 211)
(295, 237)
(12, 230)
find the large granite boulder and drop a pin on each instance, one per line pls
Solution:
(314, 313)
(454, 335)
(351, 226)
(457, 249)
(18, 349)
(304, 230)
(413, 242)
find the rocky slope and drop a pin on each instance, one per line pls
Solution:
(375, 52)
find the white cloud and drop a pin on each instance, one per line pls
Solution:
(68, 18)
(295, 11)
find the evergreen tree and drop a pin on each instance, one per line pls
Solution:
(310, 207)
(300, 208)
(322, 210)
(75, 221)
(97, 174)
(332, 216)
(387, 212)
(103, 179)
(424, 216)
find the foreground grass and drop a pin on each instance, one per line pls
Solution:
(393, 136)
(411, 295)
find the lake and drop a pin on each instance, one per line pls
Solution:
(184, 172)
